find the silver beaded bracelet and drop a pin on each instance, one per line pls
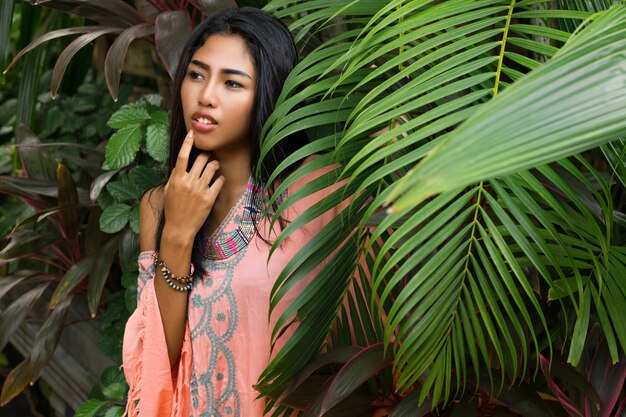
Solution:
(170, 278)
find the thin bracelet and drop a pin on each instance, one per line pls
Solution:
(169, 277)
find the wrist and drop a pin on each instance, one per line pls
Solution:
(176, 237)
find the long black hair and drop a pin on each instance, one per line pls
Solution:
(274, 55)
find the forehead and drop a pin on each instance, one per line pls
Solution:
(225, 51)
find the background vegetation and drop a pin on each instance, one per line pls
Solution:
(482, 142)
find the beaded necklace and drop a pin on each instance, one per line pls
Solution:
(228, 244)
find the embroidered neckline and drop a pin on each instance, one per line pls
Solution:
(224, 245)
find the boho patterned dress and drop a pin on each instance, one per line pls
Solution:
(227, 340)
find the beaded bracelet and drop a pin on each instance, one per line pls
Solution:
(169, 277)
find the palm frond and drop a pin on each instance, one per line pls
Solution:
(449, 122)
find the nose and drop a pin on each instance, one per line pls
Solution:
(207, 96)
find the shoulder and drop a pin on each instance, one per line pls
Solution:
(150, 209)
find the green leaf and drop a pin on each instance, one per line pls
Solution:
(580, 329)
(111, 375)
(458, 276)
(157, 141)
(129, 114)
(123, 189)
(565, 287)
(130, 297)
(90, 408)
(114, 218)
(143, 179)
(123, 146)
(134, 219)
(591, 114)
(129, 276)
(114, 411)
(115, 390)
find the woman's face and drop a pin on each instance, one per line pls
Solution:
(217, 95)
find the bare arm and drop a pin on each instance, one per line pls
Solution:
(188, 200)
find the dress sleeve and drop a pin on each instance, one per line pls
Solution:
(156, 389)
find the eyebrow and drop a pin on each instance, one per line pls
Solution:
(225, 70)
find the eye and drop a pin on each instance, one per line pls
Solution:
(233, 84)
(194, 75)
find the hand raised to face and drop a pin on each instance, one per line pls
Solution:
(189, 195)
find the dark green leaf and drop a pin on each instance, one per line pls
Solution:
(123, 146)
(363, 366)
(115, 390)
(106, 12)
(100, 273)
(6, 13)
(172, 28)
(68, 197)
(112, 374)
(210, 6)
(134, 219)
(114, 218)
(24, 244)
(71, 279)
(16, 381)
(338, 355)
(52, 35)
(14, 314)
(144, 178)
(123, 189)
(36, 160)
(68, 53)
(98, 183)
(114, 411)
(47, 338)
(157, 141)
(409, 406)
(114, 61)
(90, 408)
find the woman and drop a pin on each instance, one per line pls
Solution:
(200, 337)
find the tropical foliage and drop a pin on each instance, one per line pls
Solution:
(481, 264)
(166, 24)
(481, 142)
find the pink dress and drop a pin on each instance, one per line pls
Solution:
(227, 340)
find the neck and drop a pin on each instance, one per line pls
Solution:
(236, 171)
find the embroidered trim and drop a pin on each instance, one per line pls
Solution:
(226, 245)
(214, 391)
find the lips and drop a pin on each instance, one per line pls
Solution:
(204, 118)
(203, 122)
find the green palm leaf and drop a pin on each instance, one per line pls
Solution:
(442, 118)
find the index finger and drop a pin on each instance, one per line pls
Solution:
(183, 154)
